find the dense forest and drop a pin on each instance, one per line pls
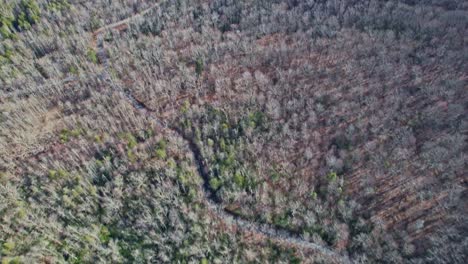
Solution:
(233, 131)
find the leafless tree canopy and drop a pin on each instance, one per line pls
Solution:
(233, 131)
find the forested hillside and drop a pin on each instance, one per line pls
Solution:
(233, 131)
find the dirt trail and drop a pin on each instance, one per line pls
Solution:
(122, 24)
(234, 222)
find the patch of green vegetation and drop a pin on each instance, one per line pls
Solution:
(161, 154)
(313, 195)
(131, 156)
(8, 247)
(73, 70)
(331, 176)
(98, 138)
(256, 119)
(161, 149)
(130, 139)
(58, 174)
(281, 220)
(239, 179)
(6, 54)
(210, 142)
(66, 134)
(199, 66)
(62, 173)
(215, 183)
(15, 17)
(58, 5)
(191, 194)
(104, 235)
(21, 213)
(92, 56)
(185, 107)
(230, 159)
(171, 163)
(182, 175)
(11, 260)
(7, 18)
(29, 15)
(52, 174)
(149, 133)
